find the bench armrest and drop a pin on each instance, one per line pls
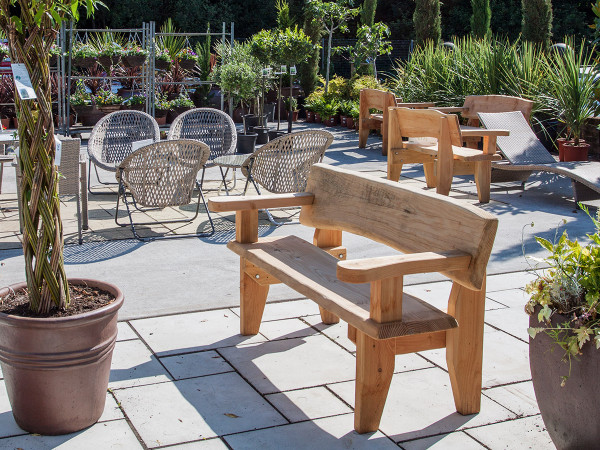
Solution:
(482, 132)
(451, 109)
(248, 202)
(373, 269)
(418, 105)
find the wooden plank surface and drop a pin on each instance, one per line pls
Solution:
(312, 272)
(232, 203)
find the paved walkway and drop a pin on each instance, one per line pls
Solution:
(184, 378)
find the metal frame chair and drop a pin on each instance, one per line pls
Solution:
(282, 165)
(162, 175)
(211, 126)
(112, 137)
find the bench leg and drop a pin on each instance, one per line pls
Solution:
(327, 317)
(430, 178)
(363, 134)
(464, 347)
(374, 370)
(253, 298)
(483, 178)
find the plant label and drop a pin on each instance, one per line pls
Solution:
(23, 82)
(58, 152)
(293, 70)
(283, 69)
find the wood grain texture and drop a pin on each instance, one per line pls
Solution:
(231, 203)
(374, 370)
(464, 347)
(331, 242)
(246, 226)
(312, 272)
(386, 299)
(253, 297)
(371, 269)
(261, 276)
(412, 343)
(475, 104)
(396, 214)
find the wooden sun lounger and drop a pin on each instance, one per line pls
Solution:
(436, 233)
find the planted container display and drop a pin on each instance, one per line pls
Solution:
(187, 59)
(134, 56)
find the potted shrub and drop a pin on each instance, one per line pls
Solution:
(107, 102)
(187, 59)
(162, 60)
(291, 104)
(110, 55)
(161, 108)
(352, 119)
(134, 56)
(345, 109)
(572, 84)
(136, 102)
(179, 105)
(62, 386)
(564, 345)
(55, 52)
(329, 112)
(84, 56)
(81, 102)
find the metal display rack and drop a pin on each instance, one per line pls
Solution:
(145, 37)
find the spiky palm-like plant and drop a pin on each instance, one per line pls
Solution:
(31, 27)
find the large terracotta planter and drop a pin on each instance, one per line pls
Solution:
(574, 152)
(56, 370)
(570, 412)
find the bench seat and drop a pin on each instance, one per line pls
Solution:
(312, 272)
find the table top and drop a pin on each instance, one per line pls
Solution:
(236, 160)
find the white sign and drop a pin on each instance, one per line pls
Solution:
(58, 153)
(283, 69)
(23, 82)
(293, 70)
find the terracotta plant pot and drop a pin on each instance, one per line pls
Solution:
(310, 116)
(560, 405)
(56, 370)
(161, 116)
(560, 142)
(6, 123)
(317, 118)
(349, 122)
(343, 121)
(294, 116)
(15, 123)
(574, 152)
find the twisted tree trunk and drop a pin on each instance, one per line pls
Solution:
(40, 206)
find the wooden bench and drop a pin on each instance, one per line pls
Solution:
(380, 101)
(436, 233)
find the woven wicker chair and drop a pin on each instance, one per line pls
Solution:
(209, 125)
(282, 166)
(162, 175)
(111, 139)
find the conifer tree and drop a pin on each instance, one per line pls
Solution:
(536, 25)
(481, 18)
(427, 21)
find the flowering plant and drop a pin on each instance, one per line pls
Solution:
(162, 54)
(571, 288)
(84, 51)
(111, 49)
(55, 50)
(136, 100)
(187, 53)
(161, 102)
(106, 98)
(183, 101)
(3, 50)
(135, 50)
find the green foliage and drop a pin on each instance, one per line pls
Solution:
(80, 97)
(367, 12)
(239, 75)
(572, 90)
(134, 50)
(107, 98)
(263, 46)
(570, 287)
(294, 46)
(162, 54)
(481, 18)
(537, 21)
(172, 45)
(187, 54)
(136, 100)
(427, 21)
(182, 101)
(371, 42)
(110, 49)
(309, 70)
(283, 15)
(358, 82)
(84, 51)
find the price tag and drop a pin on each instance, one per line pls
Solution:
(58, 153)
(293, 70)
(23, 82)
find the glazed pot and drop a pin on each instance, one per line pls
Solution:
(574, 152)
(56, 370)
(569, 412)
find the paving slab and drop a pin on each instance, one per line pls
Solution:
(196, 408)
(337, 332)
(512, 298)
(329, 433)
(186, 333)
(451, 441)
(420, 404)
(513, 321)
(286, 329)
(505, 358)
(308, 404)
(528, 432)
(517, 397)
(133, 365)
(195, 364)
(283, 365)
(287, 310)
(105, 435)
(208, 444)
(125, 332)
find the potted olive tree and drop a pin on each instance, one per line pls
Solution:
(57, 335)
(572, 88)
(564, 345)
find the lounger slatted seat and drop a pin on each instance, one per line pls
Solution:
(525, 153)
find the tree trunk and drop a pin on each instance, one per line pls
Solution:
(328, 58)
(40, 206)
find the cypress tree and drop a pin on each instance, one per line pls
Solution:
(427, 21)
(367, 12)
(309, 71)
(536, 25)
(480, 20)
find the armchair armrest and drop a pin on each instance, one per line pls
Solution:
(373, 269)
(482, 132)
(223, 204)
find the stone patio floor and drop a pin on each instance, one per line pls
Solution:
(184, 378)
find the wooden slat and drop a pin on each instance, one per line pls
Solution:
(260, 276)
(371, 269)
(246, 226)
(471, 154)
(481, 132)
(410, 344)
(232, 203)
(312, 272)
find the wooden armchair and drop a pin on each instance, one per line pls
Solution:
(436, 233)
(443, 156)
(381, 101)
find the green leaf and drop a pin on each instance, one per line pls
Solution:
(533, 331)
(597, 341)
(56, 16)
(544, 314)
(18, 24)
(38, 15)
(583, 335)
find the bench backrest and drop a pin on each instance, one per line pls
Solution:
(407, 219)
(495, 104)
(375, 99)
(418, 123)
